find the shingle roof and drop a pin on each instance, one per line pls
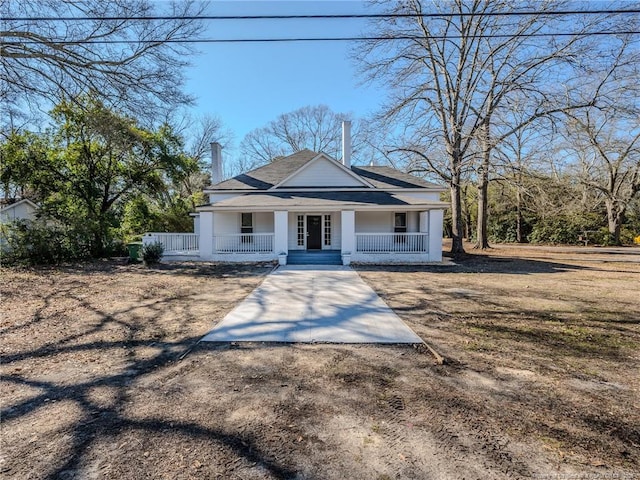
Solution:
(322, 199)
(387, 177)
(267, 176)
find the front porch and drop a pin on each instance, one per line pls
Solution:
(344, 236)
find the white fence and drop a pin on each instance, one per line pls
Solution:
(243, 243)
(175, 243)
(392, 242)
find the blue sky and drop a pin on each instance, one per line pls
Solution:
(247, 85)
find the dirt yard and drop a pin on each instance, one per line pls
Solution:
(102, 377)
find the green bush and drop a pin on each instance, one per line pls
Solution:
(627, 236)
(39, 243)
(503, 228)
(116, 248)
(567, 229)
(152, 253)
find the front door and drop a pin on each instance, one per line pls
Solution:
(314, 232)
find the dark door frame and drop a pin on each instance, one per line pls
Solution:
(314, 232)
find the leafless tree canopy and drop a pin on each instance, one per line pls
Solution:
(607, 145)
(452, 75)
(133, 64)
(317, 128)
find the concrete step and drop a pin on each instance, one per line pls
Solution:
(314, 257)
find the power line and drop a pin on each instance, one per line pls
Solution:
(310, 39)
(326, 16)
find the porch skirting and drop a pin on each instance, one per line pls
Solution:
(368, 258)
(391, 258)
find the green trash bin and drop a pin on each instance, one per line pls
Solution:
(135, 248)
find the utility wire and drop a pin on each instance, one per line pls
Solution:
(327, 16)
(309, 39)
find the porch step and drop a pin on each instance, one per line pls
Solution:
(314, 257)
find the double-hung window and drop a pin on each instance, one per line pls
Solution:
(400, 226)
(246, 226)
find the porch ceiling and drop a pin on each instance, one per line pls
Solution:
(324, 200)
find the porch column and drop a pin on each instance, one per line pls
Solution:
(206, 235)
(348, 231)
(280, 229)
(435, 235)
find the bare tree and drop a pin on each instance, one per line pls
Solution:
(317, 128)
(450, 75)
(607, 146)
(519, 160)
(62, 48)
(605, 138)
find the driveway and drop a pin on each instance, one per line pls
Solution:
(312, 303)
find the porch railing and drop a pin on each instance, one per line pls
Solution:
(392, 242)
(243, 243)
(174, 243)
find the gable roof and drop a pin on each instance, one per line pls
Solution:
(267, 176)
(298, 177)
(26, 201)
(283, 168)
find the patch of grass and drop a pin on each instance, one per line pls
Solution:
(551, 443)
(478, 346)
(560, 339)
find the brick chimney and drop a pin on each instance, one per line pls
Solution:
(346, 143)
(216, 163)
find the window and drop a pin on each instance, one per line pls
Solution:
(246, 226)
(301, 230)
(400, 223)
(400, 226)
(327, 230)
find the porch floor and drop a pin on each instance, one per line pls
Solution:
(308, 304)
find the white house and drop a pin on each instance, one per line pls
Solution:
(314, 209)
(24, 209)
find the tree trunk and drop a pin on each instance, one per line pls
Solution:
(457, 246)
(482, 241)
(468, 222)
(519, 219)
(483, 204)
(614, 219)
(466, 213)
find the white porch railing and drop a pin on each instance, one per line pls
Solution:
(392, 242)
(243, 243)
(175, 243)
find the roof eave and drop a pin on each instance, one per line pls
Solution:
(324, 208)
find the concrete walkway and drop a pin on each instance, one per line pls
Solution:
(313, 303)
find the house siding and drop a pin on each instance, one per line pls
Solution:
(336, 231)
(218, 197)
(382, 222)
(22, 211)
(262, 222)
(323, 173)
(430, 196)
(413, 221)
(225, 223)
(374, 222)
